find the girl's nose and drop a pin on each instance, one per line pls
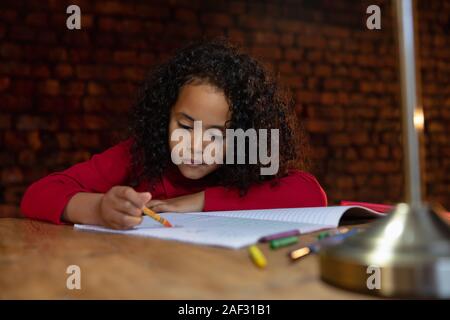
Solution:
(197, 143)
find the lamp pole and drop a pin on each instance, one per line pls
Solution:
(412, 111)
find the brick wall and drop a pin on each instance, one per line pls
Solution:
(435, 60)
(64, 94)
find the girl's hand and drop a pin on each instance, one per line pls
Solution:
(121, 207)
(189, 203)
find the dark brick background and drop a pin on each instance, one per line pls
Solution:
(64, 94)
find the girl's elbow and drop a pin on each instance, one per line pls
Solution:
(26, 204)
(37, 198)
(310, 192)
(319, 198)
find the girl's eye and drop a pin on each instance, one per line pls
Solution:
(184, 126)
(215, 137)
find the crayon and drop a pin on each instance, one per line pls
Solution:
(299, 253)
(323, 235)
(156, 217)
(318, 245)
(283, 242)
(257, 257)
(285, 234)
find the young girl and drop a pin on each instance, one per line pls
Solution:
(211, 82)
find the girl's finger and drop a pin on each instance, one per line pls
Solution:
(136, 198)
(127, 207)
(124, 221)
(153, 203)
(163, 207)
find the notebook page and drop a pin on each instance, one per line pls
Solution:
(209, 230)
(328, 216)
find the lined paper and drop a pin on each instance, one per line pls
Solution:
(233, 229)
(314, 215)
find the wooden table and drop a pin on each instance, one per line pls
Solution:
(34, 257)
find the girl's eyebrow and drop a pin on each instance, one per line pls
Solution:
(187, 116)
(192, 119)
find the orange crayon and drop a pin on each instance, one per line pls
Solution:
(156, 217)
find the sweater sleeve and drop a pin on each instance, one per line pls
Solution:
(298, 189)
(46, 198)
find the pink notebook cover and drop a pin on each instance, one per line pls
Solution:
(384, 208)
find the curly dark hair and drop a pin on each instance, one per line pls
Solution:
(255, 100)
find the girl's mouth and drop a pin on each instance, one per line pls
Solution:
(192, 162)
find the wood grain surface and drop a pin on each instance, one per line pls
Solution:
(34, 257)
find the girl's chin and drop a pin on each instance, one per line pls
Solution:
(193, 172)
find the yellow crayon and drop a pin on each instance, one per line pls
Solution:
(156, 217)
(257, 256)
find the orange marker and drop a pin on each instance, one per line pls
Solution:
(156, 217)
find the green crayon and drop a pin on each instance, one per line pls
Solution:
(323, 235)
(283, 242)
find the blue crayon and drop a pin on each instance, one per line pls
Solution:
(315, 247)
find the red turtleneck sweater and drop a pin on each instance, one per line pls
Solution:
(47, 198)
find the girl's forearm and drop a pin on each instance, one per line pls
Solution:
(83, 208)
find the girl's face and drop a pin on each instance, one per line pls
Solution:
(198, 102)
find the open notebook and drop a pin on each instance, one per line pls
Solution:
(237, 229)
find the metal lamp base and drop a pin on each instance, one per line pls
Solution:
(409, 250)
